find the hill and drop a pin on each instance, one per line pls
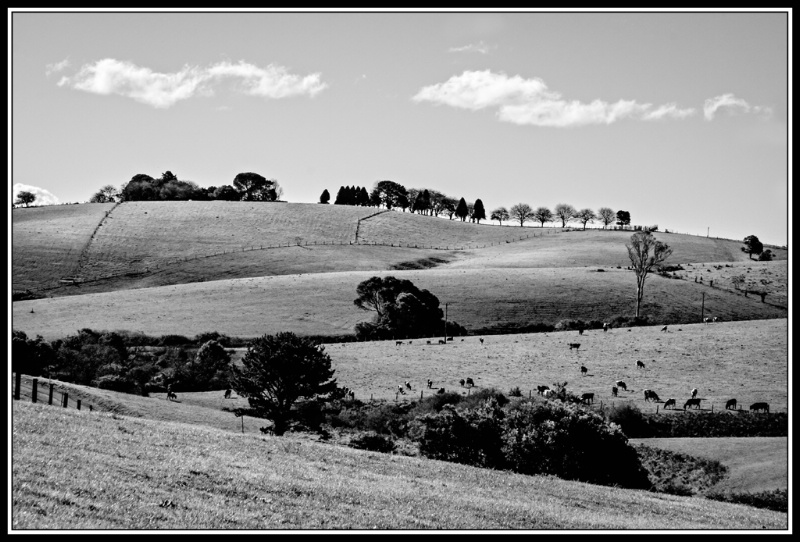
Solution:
(176, 476)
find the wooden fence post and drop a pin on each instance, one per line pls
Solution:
(420, 395)
(66, 399)
(33, 391)
(17, 382)
(90, 408)
(242, 423)
(79, 404)
(50, 395)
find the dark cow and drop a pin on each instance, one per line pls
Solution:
(227, 394)
(470, 382)
(587, 398)
(398, 343)
(621, 384)
(692, 402)
(574, 345)
(427, 342)
(664, 329)
(694, 393)
(549, 394)
(430, 383)
(614, 391)
(606, 326)
(759, 407)
(442, 341)
(400, 390)
(730, 404)
(408, 384)
(584, 370)
(461, 382)
(171, 395)
(541, 389)
(669, 403)
(639, 364)
(650, 395)
(481, 340)
(441, 391)
(580, 332)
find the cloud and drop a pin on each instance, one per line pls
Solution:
(479, 47)
(733, 104)
(163, 90)
(57, 67)
(529, 101)
(43, 197)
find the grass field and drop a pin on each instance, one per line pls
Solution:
(86, 470)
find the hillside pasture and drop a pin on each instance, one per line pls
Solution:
(86, 470)
(322, 304)
(47, 241)
(720, 274)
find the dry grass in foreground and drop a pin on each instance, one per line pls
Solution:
(81, 470)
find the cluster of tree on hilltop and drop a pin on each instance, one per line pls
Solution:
(142, 187)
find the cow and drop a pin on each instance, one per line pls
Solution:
(580, 332)
(442, 341)
(461, 382)
(759, 407)
(574, 345)
(621, 384)
(409, 342)
(587, 398)
(669, 403)
(706, 320)
(171, 395)
(441, 391)
(227, 394)
(614, 391)
(427, 342)
(584, 370)
(606, 326)
(541, 389)
(664, 329)
(730, 404)
(430, 383)
(694, 393)
(398, 343)
(449, 338)
(715, 319)
(470, 382)
(481, 340)
(639, 364)
(549, 394)
(400, 390)
(351, 394)
(408, 384)
(691, 402)
(650, 395)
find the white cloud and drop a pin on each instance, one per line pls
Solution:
(57, 67)
(163, 90)
(529, 101)
(479, 47)
(732, 103)
(43, 197)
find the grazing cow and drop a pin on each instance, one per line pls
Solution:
(449, 338)
(352, 395)
(664, 329)
(171, 395)
(587, 398)
(580, 332)
(715, 319)
(694, 393)
(574, 345)
(461, 382)
(549, 394)
(408, 384)
(409, 342)
(227, 394)
(621, 384)
(639, 364)
(441, 391)
(606, 326)
(584, 370)
(470, 382)
(669, 403)
(400, 390)
(427, 342)
(430, 383)
(614, 391)
(442, 341)
(481, 340)
(541, 389)
(706, 320)
(691, 402)
(398, 343)
(730, 404)
(759, 407)
(650, 395)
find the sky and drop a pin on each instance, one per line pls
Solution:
(680, 118)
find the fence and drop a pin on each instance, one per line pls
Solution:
(43, 390)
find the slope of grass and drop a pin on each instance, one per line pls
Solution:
(719, 274)
(80, 470)
(47, 241)
(322, 304)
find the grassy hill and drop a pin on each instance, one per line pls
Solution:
(88, 470)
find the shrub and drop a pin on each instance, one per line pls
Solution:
(115, 383)
(765, 256)
(515, 392)
(374, 442)
(476, 400)
(630, 420)
(777, 500)
(173, 340)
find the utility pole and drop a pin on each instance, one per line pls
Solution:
(703, 308)
(708, 230)
(445, 323)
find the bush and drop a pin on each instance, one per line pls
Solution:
(374, 443)
(173, 340)
(515, 392)
(630, 420)
(765, 256)
(115, 383)
(777, 500)
(476, 400)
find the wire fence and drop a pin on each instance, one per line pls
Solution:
(42, 390)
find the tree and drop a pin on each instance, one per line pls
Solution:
(584, 216)
(623, 218)
(211, 367)
(765, 256)
(645, 252)
(565, 212)
(448, 206)
(325, 197)
(500, 214)
(462, 211)
(254, 187)
(391, 194)
(521, 212)
(478, 211)
(106, 194)
(542, 215)
(25, 198)
(226, 193)
(606, 216)
(276, 371)
(363, 197)
(752, 246)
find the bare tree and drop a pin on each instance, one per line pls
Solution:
(645, 252)
(606, 216)
(565, 213)
(521, 212)
(500, 214)
(542, 215)
(584, 216)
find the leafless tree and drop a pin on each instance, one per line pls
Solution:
(521, 212)
(500, 214)
(584, 216)
(565, 213)
(645, 252)
(606, 216)
(542, 215)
